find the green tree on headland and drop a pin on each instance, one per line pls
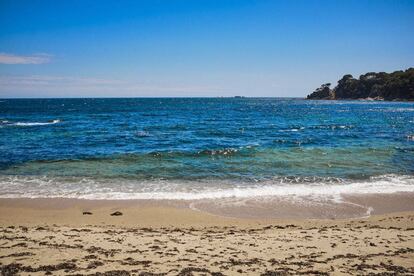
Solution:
(323, 92)
(398, 85)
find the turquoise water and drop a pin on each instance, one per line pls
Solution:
(203, 147)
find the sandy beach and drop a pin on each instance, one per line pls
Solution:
(78, 237)
(267, 138)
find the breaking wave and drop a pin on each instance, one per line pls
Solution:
(89, 188)
(23, 124)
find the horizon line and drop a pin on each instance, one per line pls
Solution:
(144, 97)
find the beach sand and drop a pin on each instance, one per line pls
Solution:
(54, 236)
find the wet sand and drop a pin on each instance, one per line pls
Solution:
(78, 237)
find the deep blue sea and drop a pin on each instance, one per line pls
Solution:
(189, 148)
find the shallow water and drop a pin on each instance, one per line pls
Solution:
(178, 148)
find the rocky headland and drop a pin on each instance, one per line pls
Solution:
(395, 86)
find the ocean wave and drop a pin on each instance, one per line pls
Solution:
(328, 126)
(226, 151)
(52, 122)
(392, 109)
(142, 134)
(292, 129)
(88, 188)
(333, 126)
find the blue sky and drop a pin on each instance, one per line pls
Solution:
(197, 48)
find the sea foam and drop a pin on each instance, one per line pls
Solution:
(88, 188)
(35, 123)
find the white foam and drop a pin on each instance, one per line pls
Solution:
(32, 187)
(291, 130)
(35, 123)
(142, 134)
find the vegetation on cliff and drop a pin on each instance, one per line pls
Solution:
(398, 85)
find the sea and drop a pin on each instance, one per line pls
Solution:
(204, 148)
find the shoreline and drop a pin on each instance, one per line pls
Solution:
(348, 206)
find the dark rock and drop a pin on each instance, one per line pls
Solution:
(87, 213)
(117, 213)
(40, 228)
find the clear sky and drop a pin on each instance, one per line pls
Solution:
(84, 48)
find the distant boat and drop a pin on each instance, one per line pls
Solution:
(239, 97)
